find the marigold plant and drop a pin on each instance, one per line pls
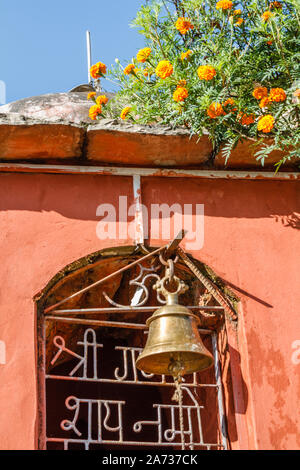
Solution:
(98, 70)
(143, 54)
(125, 111)
(129, 69)
(180, 94)
(102, 99)
(95, 111)
(183, 25)
(238, 62)
(164, 69)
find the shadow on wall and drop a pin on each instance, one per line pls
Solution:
(292, 220)
(238, 398)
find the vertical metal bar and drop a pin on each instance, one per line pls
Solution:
(220, 392)
(139, 222)
(41, 339)
(89, 54)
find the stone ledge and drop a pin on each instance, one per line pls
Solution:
(24, 138)
(118, 143)
(242, 156)
(124, 143)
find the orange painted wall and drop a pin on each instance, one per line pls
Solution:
(48, 221)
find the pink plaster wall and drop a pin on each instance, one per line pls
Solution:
(48, 221)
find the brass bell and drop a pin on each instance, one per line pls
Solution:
(174, 346)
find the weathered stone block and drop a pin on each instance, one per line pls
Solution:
(28, 139)
(126, 144)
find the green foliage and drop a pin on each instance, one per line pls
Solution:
(254, 53)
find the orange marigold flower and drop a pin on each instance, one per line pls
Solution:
(164, 69)
(91, 95)
(186, 55)
(270, 42)
(239, 22)
(145, 72)
(264, 102)
(297, 93)
(260, 92)
(277, 94)
(246, 119)
(266, 123)
(143, 54)
(275, 5)
(129, 69)
(125, 111)
(102, 99)
(230, 103)
(94, 111)
(180, 94)
(183, 25)
(97, 70)
(266, 15)
(224, 5)
(237, 12)
(206, 72)
(214, 110)
(181, 83)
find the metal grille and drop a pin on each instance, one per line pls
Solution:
(96, 398)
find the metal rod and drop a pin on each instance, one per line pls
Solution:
(113, 324)
(163, 172)
(152, 308)
(220, 392)
(83, 321)
(106, 278)
(89, 54)
(130, 443)
(127, 382)
(138, 216)
(174, 244)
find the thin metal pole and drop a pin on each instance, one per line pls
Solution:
(139, 220)
(220, 392)
(112, 324)
(89, 54)
(126, 309)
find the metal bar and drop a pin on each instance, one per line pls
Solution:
(220, 392)
(164, 172)
(86, 311)
(106, 278)
(174, 244)
(136, 326)
(89, 54)
(84, 321)
(128, 443)
(41, 339)
(126, 382)
(138, 217)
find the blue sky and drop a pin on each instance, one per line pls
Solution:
(43, 45)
